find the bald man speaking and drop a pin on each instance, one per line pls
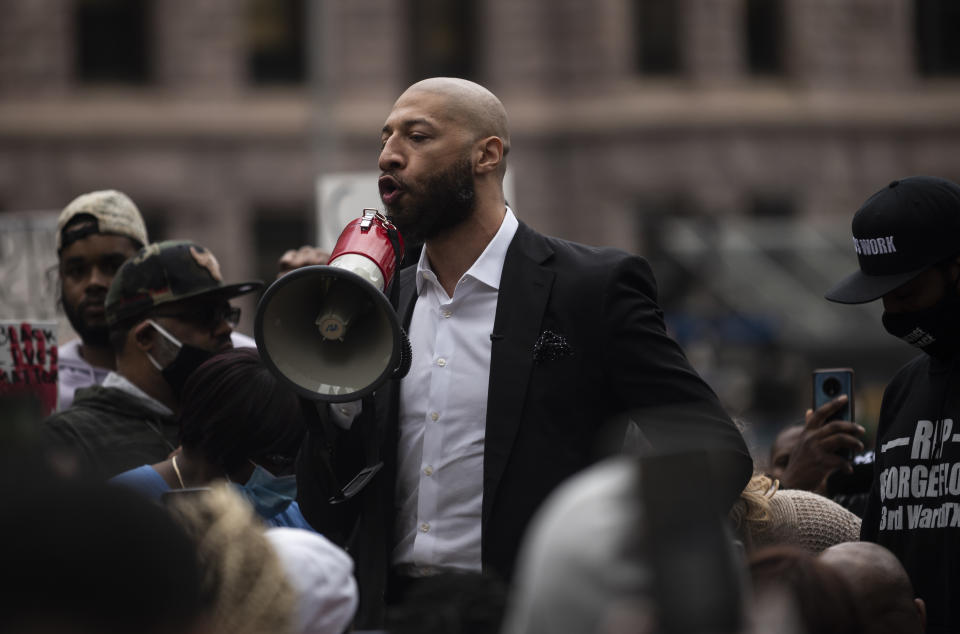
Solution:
(531, 356)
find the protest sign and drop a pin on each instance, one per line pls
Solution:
(28, 361)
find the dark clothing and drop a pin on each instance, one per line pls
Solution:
(110, 431)
(851, 490)
(914, 504)
(553, 408)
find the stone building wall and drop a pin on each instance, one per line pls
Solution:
(598, 147)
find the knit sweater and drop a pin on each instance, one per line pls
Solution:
(805, 519)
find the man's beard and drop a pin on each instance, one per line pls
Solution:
(445, 201)
(97, 336)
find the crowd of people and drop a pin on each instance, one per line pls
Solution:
(550, 463)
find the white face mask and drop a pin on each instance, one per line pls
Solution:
(170, 338)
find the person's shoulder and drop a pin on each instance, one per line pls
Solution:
(593, 266)
(136, 474)
(98, 404)
(99, 397)
(917, 369)
(920, 363)
(290, 517)
(86, 417)
(143, 479)
(87, 402)
(69, 354)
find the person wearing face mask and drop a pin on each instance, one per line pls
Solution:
(237, 423)
(907, 240)
(96, 233)
(168, 311)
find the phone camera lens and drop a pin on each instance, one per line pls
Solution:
(831, 387)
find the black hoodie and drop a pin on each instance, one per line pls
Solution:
(914, 504)
(109, 431)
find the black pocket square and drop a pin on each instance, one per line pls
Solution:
(551, 347)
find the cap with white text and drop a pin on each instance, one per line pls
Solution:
(898, 233)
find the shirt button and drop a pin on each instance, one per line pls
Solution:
(441, 362)
(424, 528)
(445, 313)
(428, 471)
(344, 411)
(434, 416)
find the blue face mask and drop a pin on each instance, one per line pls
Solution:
(269, 494)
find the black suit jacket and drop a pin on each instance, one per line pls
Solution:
(578, 349)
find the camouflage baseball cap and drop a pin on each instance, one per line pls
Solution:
(165, 272)
(113, 211)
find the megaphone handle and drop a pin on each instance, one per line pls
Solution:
(371, 451)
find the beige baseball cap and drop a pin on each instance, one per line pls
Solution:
(114, 212)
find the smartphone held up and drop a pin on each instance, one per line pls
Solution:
(828, 384)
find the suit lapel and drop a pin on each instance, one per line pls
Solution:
(407, 291)
(524, 290)
(389, 398)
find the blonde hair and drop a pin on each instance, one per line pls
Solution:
(751, 511)
(242, 576)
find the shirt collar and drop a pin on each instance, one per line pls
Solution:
(489, 266)
(121, 383)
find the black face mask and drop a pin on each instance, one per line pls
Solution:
(188, 359)
(935, 330)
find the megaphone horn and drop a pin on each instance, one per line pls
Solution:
(329, 331)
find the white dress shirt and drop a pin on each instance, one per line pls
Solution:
(443, 410)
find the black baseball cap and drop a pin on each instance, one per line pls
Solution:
(898, 233)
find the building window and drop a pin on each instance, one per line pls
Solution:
(658, 37)
(275, 231)
(276, 35)
(772, 205)
(112, 39)
(764, 36)
(938, 47)
(443, 39)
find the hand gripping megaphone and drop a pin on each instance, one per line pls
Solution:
(329, 331)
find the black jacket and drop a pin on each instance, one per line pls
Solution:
(109, 431)
(551, 411)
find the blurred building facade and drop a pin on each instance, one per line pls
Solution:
(729, 141)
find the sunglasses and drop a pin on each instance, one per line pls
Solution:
(208, 317)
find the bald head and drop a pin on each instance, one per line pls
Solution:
(878, 579)
(469, 104)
